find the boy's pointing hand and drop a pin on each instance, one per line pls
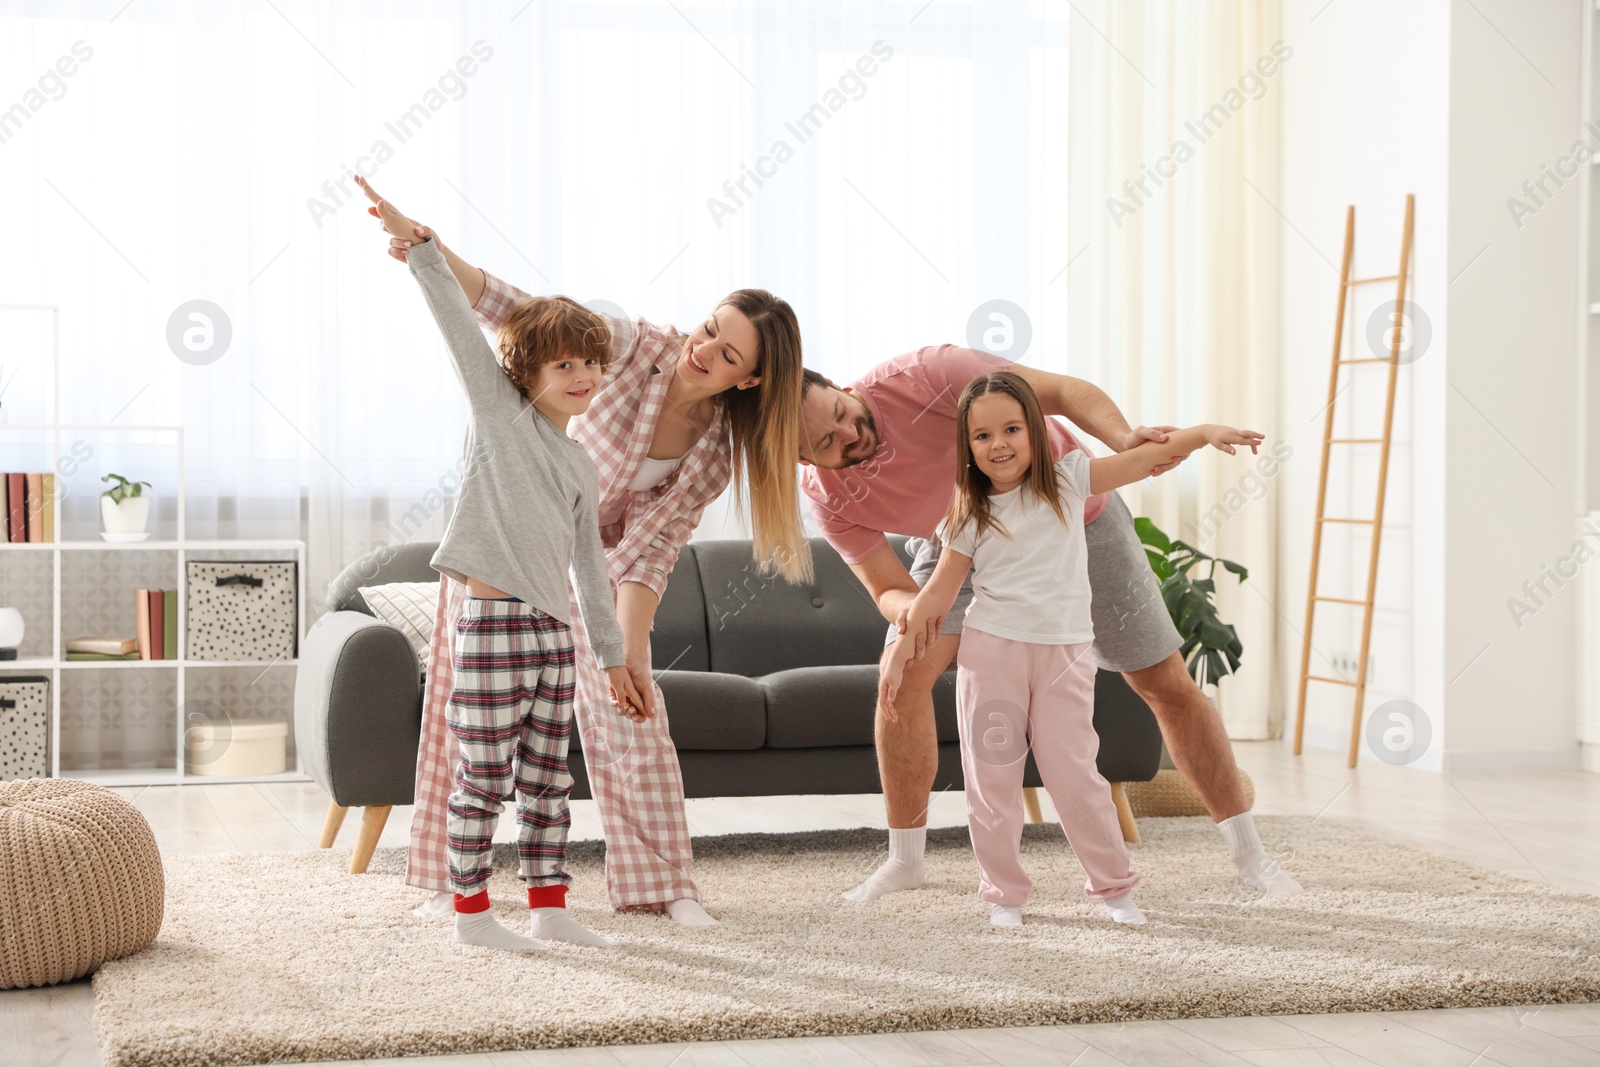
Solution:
(626, 694)
(403, 232)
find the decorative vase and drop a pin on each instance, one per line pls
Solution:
(12, 631)
(128, 517)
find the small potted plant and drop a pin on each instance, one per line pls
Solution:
(124, 509)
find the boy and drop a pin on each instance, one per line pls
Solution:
(524, 518)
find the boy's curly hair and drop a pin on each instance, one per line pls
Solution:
(547, 329)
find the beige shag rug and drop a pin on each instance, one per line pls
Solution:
(283, 957)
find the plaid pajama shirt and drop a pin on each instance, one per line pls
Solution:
(510, 710)
(633, 768)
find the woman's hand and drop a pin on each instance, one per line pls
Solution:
(1225, 437)
(403, 232)
(631, 692)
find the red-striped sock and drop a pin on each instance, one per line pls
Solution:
(547, 896)
(473, 904)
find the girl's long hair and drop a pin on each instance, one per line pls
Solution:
(764, 431)
(970, 503)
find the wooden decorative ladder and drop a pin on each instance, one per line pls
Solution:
(1328, 441)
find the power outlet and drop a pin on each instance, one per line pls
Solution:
(1345, 665)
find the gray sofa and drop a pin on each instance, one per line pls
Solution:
(769, 687)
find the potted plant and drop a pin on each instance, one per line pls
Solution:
(1211, 647)
(124, 509)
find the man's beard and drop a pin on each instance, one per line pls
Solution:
(872, 428)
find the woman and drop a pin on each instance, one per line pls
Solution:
(677, 419)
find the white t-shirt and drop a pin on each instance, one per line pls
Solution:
(1032, 586)
(652, 472)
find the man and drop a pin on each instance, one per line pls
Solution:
(880, 459)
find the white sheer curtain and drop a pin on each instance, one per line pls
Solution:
(1173, 287)
(887, 167)
(604, 150)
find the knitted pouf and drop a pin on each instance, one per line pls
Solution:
(80, 880)
(1169, 793)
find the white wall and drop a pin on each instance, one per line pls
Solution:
(1512, 480)
(1457, 103)
(1365, 133)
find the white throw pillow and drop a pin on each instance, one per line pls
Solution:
(410, 608)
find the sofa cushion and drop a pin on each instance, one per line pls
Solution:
(409, 607)
(387, 563)
(831, 707)
(758, 624)
(713, 711)
(1130, 738)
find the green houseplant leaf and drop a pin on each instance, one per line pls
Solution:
(124, 489)
(1211, 648)
(1156, 548)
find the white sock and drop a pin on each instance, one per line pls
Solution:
(1124, 910)
(901, 871)
(481, 928)
(688, 912)
(554, 924)
(1257, 870)
(1004, 915)
(436, 906)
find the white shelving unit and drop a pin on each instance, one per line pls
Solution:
(61, 551)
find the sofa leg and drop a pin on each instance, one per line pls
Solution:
(330, 825)
(372, 819)
(1030, 800)
(1130, 829)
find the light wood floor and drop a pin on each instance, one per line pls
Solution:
(1537, 826)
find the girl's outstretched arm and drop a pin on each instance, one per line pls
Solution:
(1125, 468)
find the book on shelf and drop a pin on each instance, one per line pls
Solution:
(158, 625)
(141, 621)
(79, 657)
(104, 646)
(49, 507)
(155, 613)
(27, 501)
(34, 505)
(16, 509)
(169, 626)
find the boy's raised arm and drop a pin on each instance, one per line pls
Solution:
(474, 360)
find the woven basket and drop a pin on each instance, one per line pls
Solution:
(80, 880)
(1169, 793)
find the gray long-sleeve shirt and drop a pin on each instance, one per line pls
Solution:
(527, 510)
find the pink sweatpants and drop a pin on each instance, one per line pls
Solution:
(1010, 696)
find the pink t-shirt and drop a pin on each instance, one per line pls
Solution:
(905, 487)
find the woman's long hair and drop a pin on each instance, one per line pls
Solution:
(971, 499)
(764, 431)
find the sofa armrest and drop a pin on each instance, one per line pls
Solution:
(358, 710)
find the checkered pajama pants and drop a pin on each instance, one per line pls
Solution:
(510, 710)
(633, 773)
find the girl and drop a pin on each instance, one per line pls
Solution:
(1024, 675)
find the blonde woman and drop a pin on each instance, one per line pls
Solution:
(677, 418)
